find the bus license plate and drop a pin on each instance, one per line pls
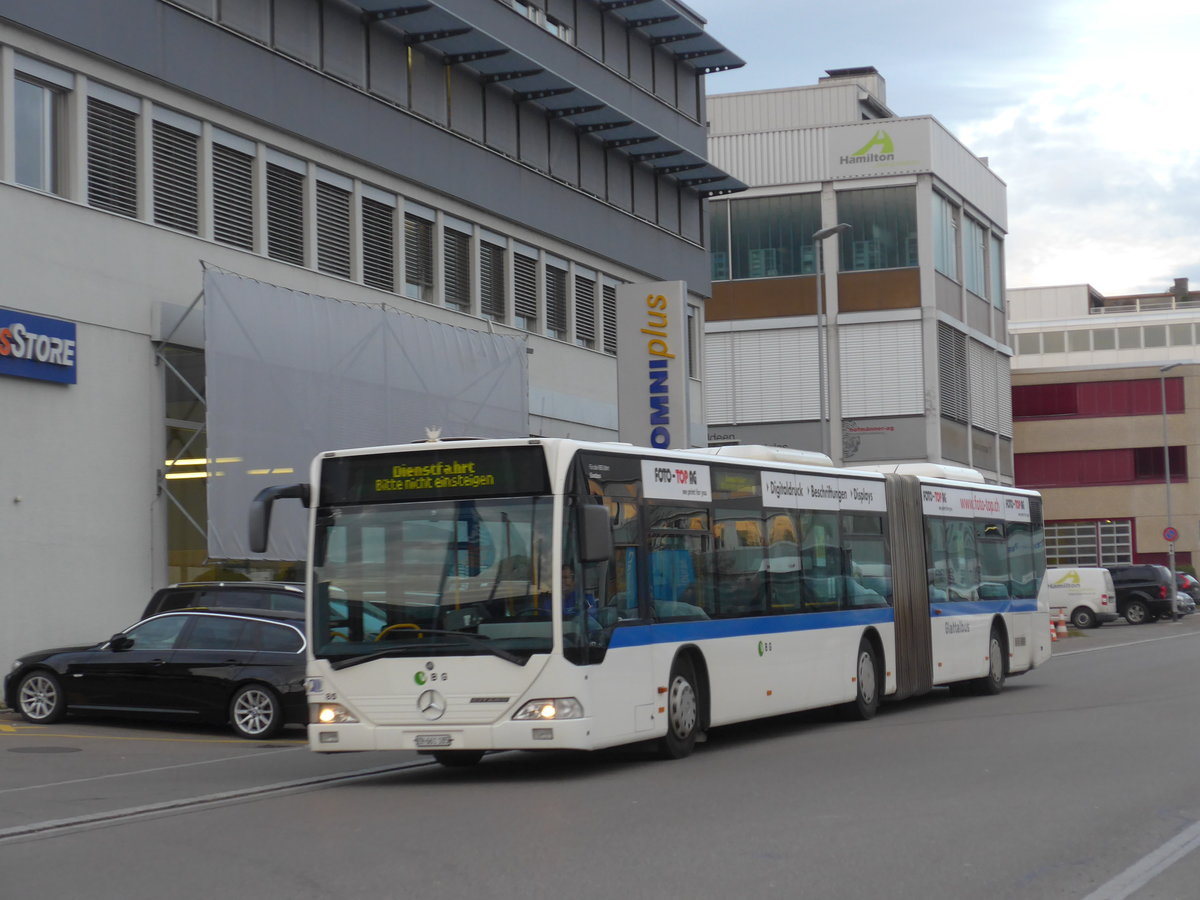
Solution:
(434, 740)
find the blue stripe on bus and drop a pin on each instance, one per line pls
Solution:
(761, 626)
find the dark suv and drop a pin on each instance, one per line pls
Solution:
(272, 595)
(1144, 592)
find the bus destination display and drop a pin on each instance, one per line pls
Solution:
(457, 471)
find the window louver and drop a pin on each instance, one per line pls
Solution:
(525, 291)
(556, 302)
(333, 229)
(456, 264)
(379, 244)
(585, 311)
(233, 197)
(176, 178)
(285, 214)
(609, 300)
(491, 281)
(418, 256)
(953, 383)
(112, 158)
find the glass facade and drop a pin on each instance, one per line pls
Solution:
(35, 130)
(883, 228)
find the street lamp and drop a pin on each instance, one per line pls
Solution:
(819, 252)
(1162, 386)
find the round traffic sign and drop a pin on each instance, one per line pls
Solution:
(1170, 534)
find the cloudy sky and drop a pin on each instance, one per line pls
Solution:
(1087, 109)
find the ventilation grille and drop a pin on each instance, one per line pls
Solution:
(556, 302)
(525, 291)
(609, 299)
(585, 311)
(953, 384)
(491, 281)
(418, 256)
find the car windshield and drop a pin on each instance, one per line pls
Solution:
(436, 578)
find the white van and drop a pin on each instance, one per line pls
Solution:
(1085, 595)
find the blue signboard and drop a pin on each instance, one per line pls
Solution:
(36, 347)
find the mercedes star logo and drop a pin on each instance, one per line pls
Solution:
(432, 705)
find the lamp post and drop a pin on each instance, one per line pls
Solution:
(1162, 386)
(819, 252)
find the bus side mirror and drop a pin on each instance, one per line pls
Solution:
(595, 534)
(260, 511)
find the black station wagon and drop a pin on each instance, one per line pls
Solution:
(244, 668)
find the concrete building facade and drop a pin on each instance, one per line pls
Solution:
(500, 167)
(1106, 401)
(899, 351)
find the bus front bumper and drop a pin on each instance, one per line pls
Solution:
(561, 734)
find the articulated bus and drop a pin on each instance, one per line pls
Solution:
(474, 595)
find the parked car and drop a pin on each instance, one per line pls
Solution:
(244, 668)
(1188, 584)
(273, 595)
(1185, 604)
(1144, 591)
(1085, 595)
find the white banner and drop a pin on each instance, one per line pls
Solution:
(793, 491)
(673, 480)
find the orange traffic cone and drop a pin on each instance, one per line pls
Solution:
(1053, 633)
(1061, 628)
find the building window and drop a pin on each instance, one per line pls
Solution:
(1054, 342)
(379, 240)
(1106, 542)
(176, 157)
(718, 239)
(1104, 339)
(525, 291)
(233, 192)
(996, 271)
(492, 295)
(608, 297)
(112, 158)
(36, 117)
(883, 228)
(285, 212)
(974, 254)
(772, 236)
(1079, 341)
(556, 299)
(456, 268)
(1087, 468)
(1181, 335)
(1097, 399)
(333, 226)
(1028, 343)
(585, 309)
(418, 257)
(945, 237)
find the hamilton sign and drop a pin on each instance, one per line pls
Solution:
(880, 147)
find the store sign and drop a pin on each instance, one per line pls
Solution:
(36, 347)
(652, 373)
(880, 147)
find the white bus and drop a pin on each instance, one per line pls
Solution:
(714, 586)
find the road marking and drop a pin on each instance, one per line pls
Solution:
(1154, 640)
(1149, 866)
(41, 829)
(205, 762)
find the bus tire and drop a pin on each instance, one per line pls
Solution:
(993, 681)
(683, 711)
(866, 681)
(458, 759)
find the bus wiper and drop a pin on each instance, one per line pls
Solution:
(407, 649)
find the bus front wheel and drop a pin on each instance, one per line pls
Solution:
(683, 712)
(993, 681)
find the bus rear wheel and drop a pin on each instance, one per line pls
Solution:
(993, 681)
(683, 712)
(868, 684)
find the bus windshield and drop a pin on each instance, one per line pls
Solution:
(445, 577)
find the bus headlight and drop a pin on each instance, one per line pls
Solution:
(331, 714)
(553, 708)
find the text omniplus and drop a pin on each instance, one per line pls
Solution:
(660, 353)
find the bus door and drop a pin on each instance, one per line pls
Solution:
(954, 611)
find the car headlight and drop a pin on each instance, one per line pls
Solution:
(331, 714)
(552, 708)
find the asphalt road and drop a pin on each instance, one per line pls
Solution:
(1078, 781)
